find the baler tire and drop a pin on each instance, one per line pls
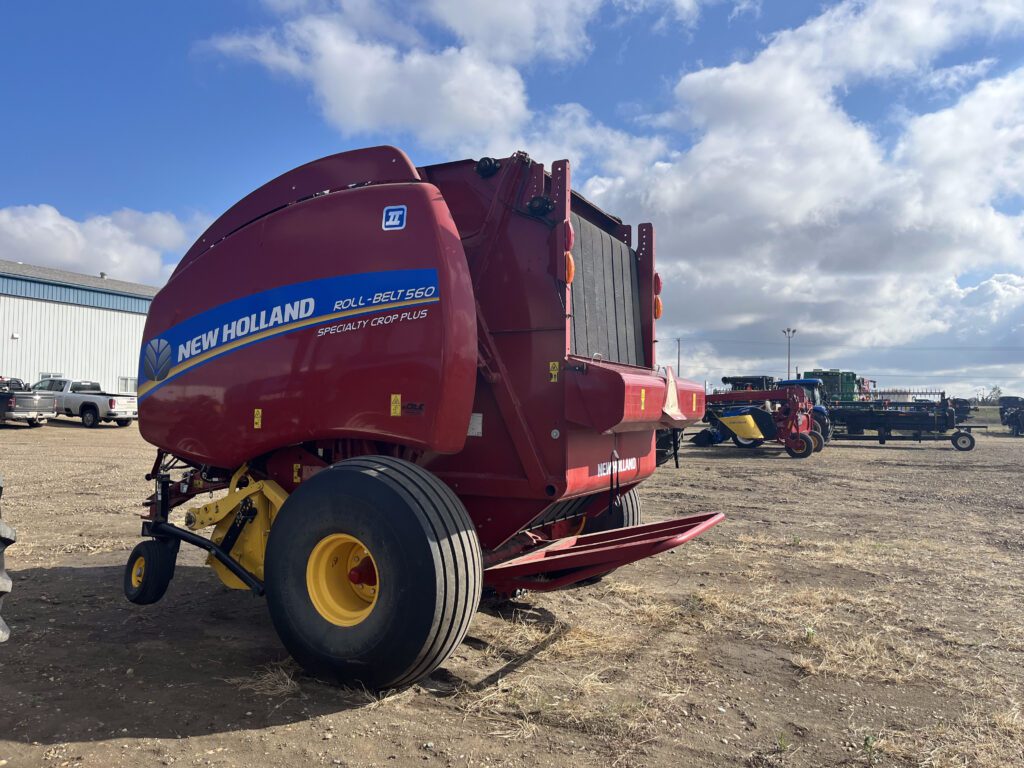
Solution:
(807, 447)
(7, 537)
(818, 439)
(963, 441)
(741, 442)
(90, 418)
(629, 513)
(149, 571)
(425, 556)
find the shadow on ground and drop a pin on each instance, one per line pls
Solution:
(84, 664)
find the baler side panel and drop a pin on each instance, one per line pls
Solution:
(380, 355)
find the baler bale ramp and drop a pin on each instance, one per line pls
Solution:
(409, 383)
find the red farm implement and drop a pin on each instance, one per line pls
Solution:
(409, 383)
(752, 417)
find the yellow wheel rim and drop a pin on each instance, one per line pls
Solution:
(342, 579)
(138, 571)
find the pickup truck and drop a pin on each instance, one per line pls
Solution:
(18, 403)
(87, 400)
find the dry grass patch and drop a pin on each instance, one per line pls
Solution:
(638, 605)
(979, 739)
(856, 635)
(274, 680)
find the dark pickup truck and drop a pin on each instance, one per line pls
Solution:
(19, 403)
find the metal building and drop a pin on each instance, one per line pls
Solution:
(57, 323)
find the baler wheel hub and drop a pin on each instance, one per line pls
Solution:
(364, 573)
(341, 578)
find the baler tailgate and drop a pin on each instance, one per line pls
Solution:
(576, 558)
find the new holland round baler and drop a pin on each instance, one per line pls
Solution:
(410, 383)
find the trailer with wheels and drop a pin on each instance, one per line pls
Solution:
(409, 384)
(752, 417)
(907, 422)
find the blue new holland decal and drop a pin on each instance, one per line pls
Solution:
(268, 314)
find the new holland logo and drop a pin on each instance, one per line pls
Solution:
(156, 360)
(394, 218)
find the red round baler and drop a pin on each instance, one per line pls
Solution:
(409, 384)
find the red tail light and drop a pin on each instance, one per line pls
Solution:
(113, 403)
(12, 403)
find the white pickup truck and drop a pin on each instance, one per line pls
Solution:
(87, 400)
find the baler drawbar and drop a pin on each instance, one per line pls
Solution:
(405, 384)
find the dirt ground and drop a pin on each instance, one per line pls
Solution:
(864, 607)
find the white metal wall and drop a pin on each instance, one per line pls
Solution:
(80, 342)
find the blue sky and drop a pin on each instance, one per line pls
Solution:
(126, 104)
(853, 168)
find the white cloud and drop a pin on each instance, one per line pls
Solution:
(786, 210)
(774, 205)
(520, 31)
(956, 77)
(126, 245)
(366, 86)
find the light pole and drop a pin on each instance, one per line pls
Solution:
(790, 332)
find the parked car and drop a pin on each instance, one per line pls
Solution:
(19, 403)
(88, 401)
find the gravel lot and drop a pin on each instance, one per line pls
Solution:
(862, 607)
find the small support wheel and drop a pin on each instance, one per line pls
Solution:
(963, 441)
(818, 439)
(149, 571)
(744, 442)
(800, 446)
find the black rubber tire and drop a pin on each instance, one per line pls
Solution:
(806, 449)
(703, 439)
(629, 513)
(740, 442)
(963, 441)
(818, 439)
(90, 418)
(824, 426)
(124, 422)
(7, 537)
(664, 446)
(159, 570)
(429, 569)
